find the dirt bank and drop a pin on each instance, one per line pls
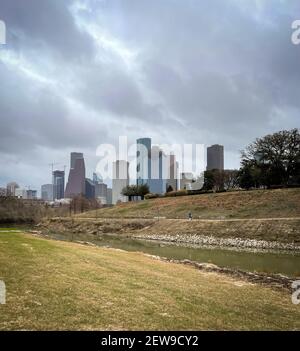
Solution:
(258, 234)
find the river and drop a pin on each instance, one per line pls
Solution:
(275, 262)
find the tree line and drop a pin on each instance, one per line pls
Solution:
(269, 162)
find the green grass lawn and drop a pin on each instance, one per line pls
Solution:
(60, 285)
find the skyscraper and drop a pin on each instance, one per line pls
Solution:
(89, 189)
(159, 171)
(97, 178)
(47, 192)
(173, 173)
(101, 192)
(215, 157)
(76, 180)
(21, 193)
(31, 194)
(120, 180)
(58, 182)
(75, 156)
(109, 196)
(143, 156)
(11, 188)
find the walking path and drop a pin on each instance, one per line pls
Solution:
(185, 219)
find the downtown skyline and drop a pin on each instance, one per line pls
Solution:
(166, 165)
(116, 68)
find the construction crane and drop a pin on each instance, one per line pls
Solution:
(56, 164)
(52, 165)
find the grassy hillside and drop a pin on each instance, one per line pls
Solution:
(241, 204)
(60, 285)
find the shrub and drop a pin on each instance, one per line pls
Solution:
(152, 196)
(176, 193)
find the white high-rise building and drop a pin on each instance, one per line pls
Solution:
(47, 192)
(173, 170)
(11, 189)
(21, 193)
(120, 180)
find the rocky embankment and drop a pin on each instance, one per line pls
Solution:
(203, 240)
(278, 281)
(247, 234)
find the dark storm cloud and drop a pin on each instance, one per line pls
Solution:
(216, 65)
(45, 22)
(79, 73)
(40, 117)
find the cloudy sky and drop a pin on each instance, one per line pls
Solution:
(78, 73)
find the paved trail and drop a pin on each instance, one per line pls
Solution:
(184, 219)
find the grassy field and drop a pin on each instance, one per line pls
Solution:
(60, 285)
(238, 204)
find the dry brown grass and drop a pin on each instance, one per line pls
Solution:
(58, 285)
(239, 204)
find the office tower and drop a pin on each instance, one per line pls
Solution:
(186, 181)
(21, 193)
(97, 178)
(76, 180)
(109, 196)
(173, 172)
(31, 194)
(11, 188)
(58, 181)
(215, 157)
(143, 156)
(47, 192)
(75, 156)
(101, 193)
(159, 171)
(89, 189)
(120, 180)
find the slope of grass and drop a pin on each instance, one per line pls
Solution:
(239, 204)
(59, 285)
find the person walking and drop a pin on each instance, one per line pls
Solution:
(190, 216)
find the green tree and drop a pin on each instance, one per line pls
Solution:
(272, 160)
(143, 190)
(231, 179)
(135, 190)
(214, 180)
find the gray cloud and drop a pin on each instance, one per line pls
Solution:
(79, 73)
(46, 24)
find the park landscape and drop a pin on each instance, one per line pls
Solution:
(79, 272)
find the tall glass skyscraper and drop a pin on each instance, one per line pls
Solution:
(215, 157)
(58, 182)
(76, 180)
(143, 156)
